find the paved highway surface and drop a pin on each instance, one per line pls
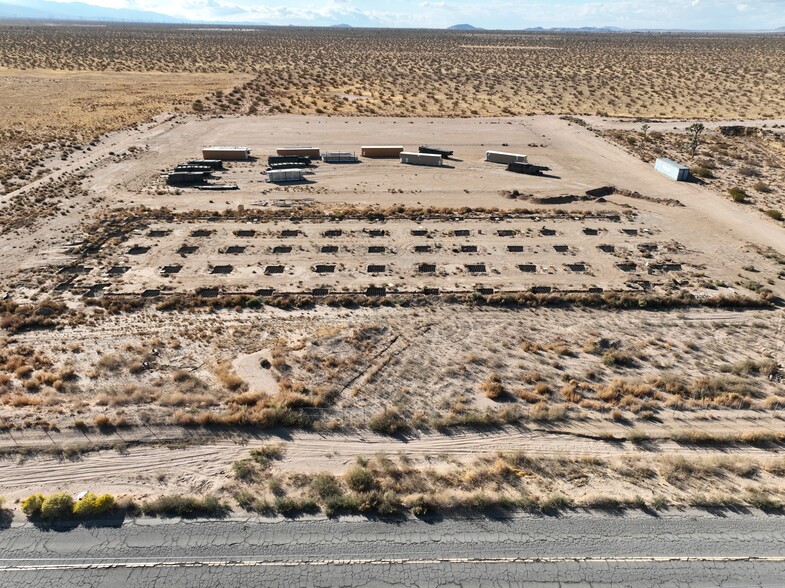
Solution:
(576, 550)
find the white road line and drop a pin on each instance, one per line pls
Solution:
(98, 565)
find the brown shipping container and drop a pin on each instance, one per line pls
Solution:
(381, 151)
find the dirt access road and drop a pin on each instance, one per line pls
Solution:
(153, 467)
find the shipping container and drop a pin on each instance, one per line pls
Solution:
(312, 152)
(381, 150)
(339, 157)
(502, 157)
(226, 153)
(285, 175)
(673, 170)
(421, 158)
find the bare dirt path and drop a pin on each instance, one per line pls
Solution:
(200, 468)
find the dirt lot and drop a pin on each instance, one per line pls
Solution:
(663, 240)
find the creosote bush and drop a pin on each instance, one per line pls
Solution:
(177, 505)
(61, 505)
(57, 506)
(360, 479)
(737, 194)
(388, 422)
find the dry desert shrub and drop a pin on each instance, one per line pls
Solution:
(228, 378)
(492, 387)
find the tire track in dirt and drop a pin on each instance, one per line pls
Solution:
(311, 452)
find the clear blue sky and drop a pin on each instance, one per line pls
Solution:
(490, 14)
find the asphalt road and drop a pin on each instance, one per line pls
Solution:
(575, 550)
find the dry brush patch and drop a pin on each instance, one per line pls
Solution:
(393, 369)
(746, 164)
(53, 113)
(431, 72)
(395, 484)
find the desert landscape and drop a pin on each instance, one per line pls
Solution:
(383, 338)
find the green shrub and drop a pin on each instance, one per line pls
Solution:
(31, 505)
(618, 358)
(345, 503)
(289, 507)
(92, 505)
(762, 187)
(659, 502)
(176, 505)
(326, 486)
(261, 506)
(701, 172)
(775, 214)
(390, 504)
(420, 507)
(387, 422)
(245, 499)
(244, 470)
(360, 479)
(267, 453)
(57, 506)
(555, 503)
(637, 436)
(737, 194)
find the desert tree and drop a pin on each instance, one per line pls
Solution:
(695, 130)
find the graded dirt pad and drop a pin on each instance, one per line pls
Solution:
(511, 255)
(666, 241)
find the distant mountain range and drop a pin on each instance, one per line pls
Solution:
(579, 29)
(44, 9)
(49, 10)
(468, 27)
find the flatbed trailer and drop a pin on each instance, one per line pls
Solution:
(445, 153)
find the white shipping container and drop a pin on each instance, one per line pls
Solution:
(502, 157)
(673, 170)
(421, 158)
(294, 174)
